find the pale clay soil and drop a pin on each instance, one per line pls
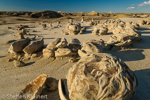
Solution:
(13, 79)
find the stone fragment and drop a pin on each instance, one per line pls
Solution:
(34, 88)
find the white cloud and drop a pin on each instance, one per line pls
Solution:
(144, 3)
(130, 8)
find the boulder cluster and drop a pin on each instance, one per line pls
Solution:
(73, 29)
(96, 76)
(60, 48)
(23, 49)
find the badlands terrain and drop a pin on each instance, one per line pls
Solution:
(13, 79)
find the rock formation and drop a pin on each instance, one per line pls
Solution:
(73, 29)
(91, 46)
(33, 89)
(18, 46)
(98, 77)
(34, 46)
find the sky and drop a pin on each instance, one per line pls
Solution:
(101, 6)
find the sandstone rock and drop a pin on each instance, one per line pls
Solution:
(63, 43)
(82, 53)
(120, 39)
(18, 46)
(51, 84)
(18, 63)
(52, 45)
(93, 46)
(34, 88)
(48, 53)
(73, 28)
(34, 46)
(98, 77)
(63, 52)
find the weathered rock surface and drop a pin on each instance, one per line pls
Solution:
(73, 28)
(98, 77)
(93, 46)
(63, 43)
(34, 88)
(63, 52)
(18, 46)
(34, 46)
(52, 45)
(48, 53)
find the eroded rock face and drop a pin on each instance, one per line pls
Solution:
(120, 39)
(34, 46)
(34, 88)
(18, 46)
(93, 46)
(63, 43)
(63, 52)
(48, 53)
(100, 77)
(73, 28)
(52, 45)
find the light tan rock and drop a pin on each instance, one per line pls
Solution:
(93, 46)
(18, 63)
(51, 84)
(48, 53)
(98, 77)
(52, 45)
(34, 88)
(63, 43)
(34, 46)
(18, 46)
(73, 28)
(63, 52)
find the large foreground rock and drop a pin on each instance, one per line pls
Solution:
(99, 77)
(33, 89)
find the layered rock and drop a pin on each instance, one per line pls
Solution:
(18, 46)
(91, 46)
(34, 46)
(73, 28)
(98, 77)
(33, 89)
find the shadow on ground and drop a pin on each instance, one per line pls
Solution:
(143, 90)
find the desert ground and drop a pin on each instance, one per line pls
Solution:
(13, 79)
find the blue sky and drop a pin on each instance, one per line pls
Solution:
(101, 6)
